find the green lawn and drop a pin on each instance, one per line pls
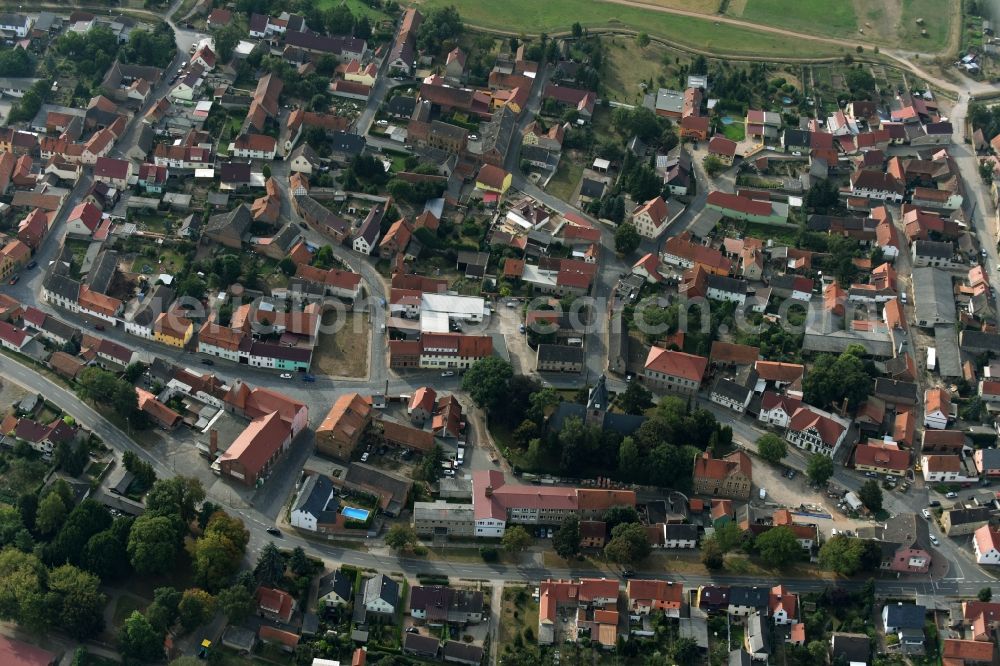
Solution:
(564, 183)
(736, 131)
(357, 7)
(532, 17)
(937, 23)
(813, 16)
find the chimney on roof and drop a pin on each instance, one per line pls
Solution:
(489, 491)
(213, 441)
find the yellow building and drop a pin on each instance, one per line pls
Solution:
(493, 179)
(172, 329)
(13, 257)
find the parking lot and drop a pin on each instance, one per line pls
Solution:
(795, 492)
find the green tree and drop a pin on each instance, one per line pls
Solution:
(834, 378)
(195, 609)
(636, 399)
(628, 545)
(106, 556)
(642, 40)
(627, 239)
(616, 515)
(687, 652)
(630, 461)
(713, 165)
(712, 554)
(215, 559)
(152, 544)
(401, 537)
(487, 381)
(439, 30)
(818, 651)
(22, 593)
(985, 594)
(566, 541)
(76, 601)
(515, 539)
(163, 612)
(849, 556)
(771, 448)
(729, 535)
(778, 546)
(236, 603)
(819, 469)
(51, 514)
(270, 567)
(138, 641)
(299, 563)
(870, 495)
(178, 496)
(429, 469)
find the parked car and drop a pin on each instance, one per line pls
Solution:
(32, 264)
(447, 373)
(934, 503)
(273, 531)
(286, 375)
(951, 495)
(308, 377)
(627, 573)
(364, 457)
(926, 513)
(521, 328)
(207, 361)
(98, 327)
(934, 540)
(14, 279)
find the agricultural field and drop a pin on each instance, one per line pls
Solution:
(829, 18)
(629, 65)
(532, 17)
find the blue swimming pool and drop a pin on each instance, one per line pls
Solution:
(355, 513)
(728, 120)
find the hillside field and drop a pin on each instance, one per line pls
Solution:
(888, 23)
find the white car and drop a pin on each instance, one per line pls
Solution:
(926, 513)
(447, 373)
(934, 540)
(286, 375)
(364, 457)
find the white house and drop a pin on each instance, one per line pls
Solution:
(310, 508)
(937, 408)
(784, 605)
(83, 220)
(653, 217)
(726, 289)
(986, 543)
(381, 594)
(946, 468)
(777, 409)
(17, 24)
(731, 394)
(680, 536)
(816, 431)
(254, 147)
(336, 589)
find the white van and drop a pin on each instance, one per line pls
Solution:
(763, 493)
(460, 457)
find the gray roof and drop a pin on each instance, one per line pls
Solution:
(976, 514)
(63, 286)
(337, 582)
(905, 616)
(728, 388)
(347, 143)
(727, 284)
(314, 210)
(314, 497)
(499, 131)
(103, 271)
(460, 601)
(991, 458)
(305, 151)
(372, 225)
(401, 105)
(560, 353)
(745, 595)
(59, 328)
(238, 220)
(979, 341)
(740, 657)
(382, 587)
(591, 188)
(892, 388)
(420, 644)
(854, 647)
(758, 633)
(948, 357)
(234, 172)
(156, 302)
(448, 131)
(905, 530)
(934, 296)
(669, 100)
(933, 249)
(465, 652)
(681, 532)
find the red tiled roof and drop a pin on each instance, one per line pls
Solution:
(881, 456)
(739, 203)
(676, 364)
